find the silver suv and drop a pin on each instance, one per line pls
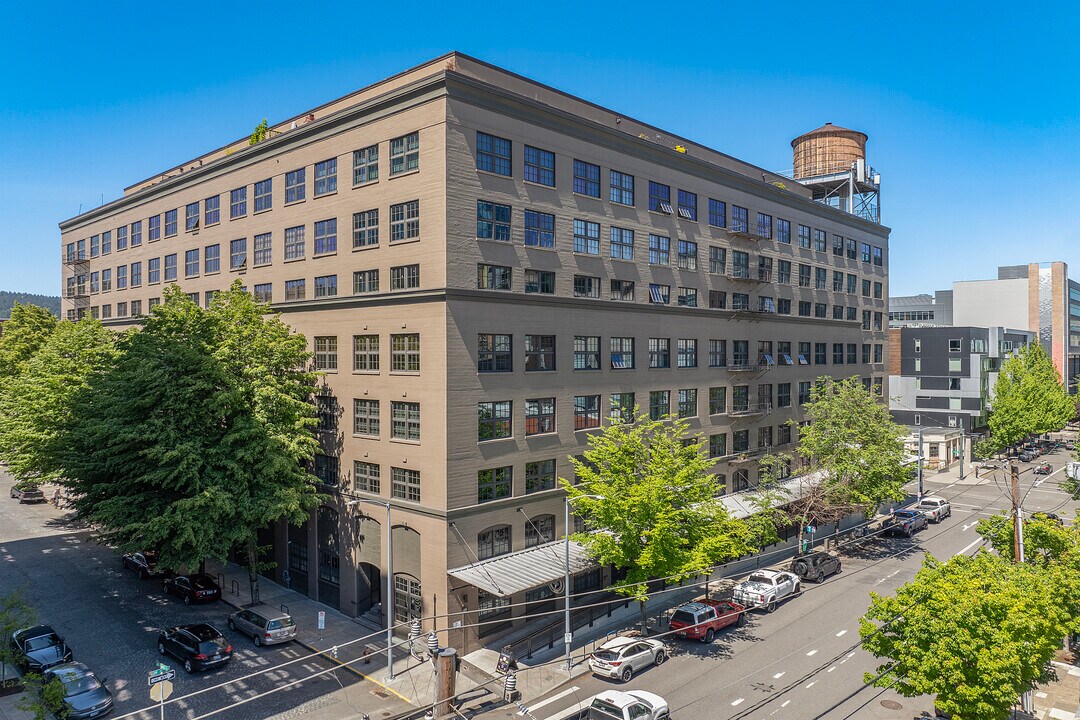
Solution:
(265, 626)
(935, 509)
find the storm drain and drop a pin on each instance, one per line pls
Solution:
(891, 705)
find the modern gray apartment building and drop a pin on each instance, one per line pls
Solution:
(486, 269)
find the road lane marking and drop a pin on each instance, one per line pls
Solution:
(851, 654)
(831, 669)
(841, 633)
(811, 653)
(553, 698)
(968, 526)
(778, 675)
(740, 701)
(843, 661)
(811, 684)
(973, 544)
(785, 703)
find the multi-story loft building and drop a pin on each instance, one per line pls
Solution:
(486, 268)
(921, 310)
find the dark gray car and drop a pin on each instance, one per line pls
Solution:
(39, 648)
(816, 566)
(264, 625)
(84, 695)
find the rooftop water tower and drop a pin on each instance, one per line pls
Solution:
(831, 161)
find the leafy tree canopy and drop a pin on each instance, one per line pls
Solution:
(24, 334)
(975, 632)
(1045, 540)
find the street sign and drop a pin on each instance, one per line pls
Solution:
(160, 692)
(322, 620)
(568, 638)
(160, 675)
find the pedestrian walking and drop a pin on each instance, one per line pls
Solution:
(56, 498)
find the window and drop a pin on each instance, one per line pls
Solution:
(136, 274)
(295, 186)
(717, 260)
(622, 353)
(764, 225)
(717, 213)
(622, 188)
(405, 484)
(718, 445)
(212, 210)
(326, 177)
(687, 297)
(820, 353)
(740, 301)
(106, 310)
(365, 164)
(838, 246)
(539, 281)
(494, 484)
(496, 541)
(852, 353)
(365, 353)
(263, 293)
(153, 272)
(717, 400)
(877, 291)
(765, 268)
(264, 194)
(804, 353)
(405, 353)
(539, 229)
(405, 221)
(121, 309)
(586, 286)
(95, 285)
(821, 278)
(238, 254)
(838, 312)
(865, 248)
(783, 306)
(622, 243)
(238, 203)
(405, 421)
(586, 178)
(851, 313)
(136, 233)
(740, 219)
(326, 353)
(494, 353)
(622, 290)
(819, 310)
(687, 255)
(621, 407)
(659, 404)
(365, 281)
(586, 237)
(586, 412)
(877, 352)
(263, 249)
(365, 228)
(804, 275)
(539, 353)
(153, 228)
(718, 353)
(659, 294)
(326, 286)
(539, 530)
(659, 198)
(852, 283)
(837, 281)
(688, 403)
(294, 290)
(852, 247)
(659, 250)
(686, 353)
(878, 257)
(838, 353)
(866, 288)
(804, 237)
(366, 417)
(866, 353)
(493, 221)
(687, 205)
(494, 420)
(170, 269)
(539, 476)
(493, 154)
(783, 395)
(405, 277)
(366, 477)
(783, 231)
(106, 242)
(659, 352)
(493, 277)
(191, 263)
(539, 416)
(191, 219)
(212, 259)
(294, 242)
(170, 223)
(325, 236)
(539, 166)
(586, 352)
(804, 392)
(804, 308)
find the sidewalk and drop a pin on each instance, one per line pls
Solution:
(1059, 700)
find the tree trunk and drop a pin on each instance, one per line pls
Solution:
(253, 575)
(202, 567)
(644, 619)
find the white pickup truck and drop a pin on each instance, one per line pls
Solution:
(764, 588)
(632, 705)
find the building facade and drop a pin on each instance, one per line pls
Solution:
(487, 268)
(921, 310)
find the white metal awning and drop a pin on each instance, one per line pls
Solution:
(525, 569)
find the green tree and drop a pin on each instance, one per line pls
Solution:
(43, 700)
(24, 334)
(975, 632)
(854, 453)
(15, 614)
(1028, 398)
(39, 399)
(199, 436)
(1046, 540)
(259, 133)
(655, 513)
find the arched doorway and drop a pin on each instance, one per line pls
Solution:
(329, 557)
(370, 558)
(297, 569)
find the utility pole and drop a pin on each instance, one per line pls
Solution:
(961, 454)
(920, 463)
(445, 680)
(1018, 525)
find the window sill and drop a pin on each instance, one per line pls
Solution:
(590, 197)
(578, 253)
(260, 265)
(210, 225)
(241, 269)
(264, 210)
(540, 248)
(238, 217)
(365, 437)
(405, 373)
(553, 433)
(403, 173)
(630, 261)
(365, 372)
(326, 372)
(403, 441)
(329, 253)
(211, 272)
(365, 247)
(509, 243)
(366, 183)
(495, 174)
(329, 193)
(539, 185)
(488, 441)
(406, 241)
(290, 203)
(292, 260)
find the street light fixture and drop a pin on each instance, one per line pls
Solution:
(568, 634)
(389, 607)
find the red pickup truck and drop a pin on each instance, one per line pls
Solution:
(701, 620)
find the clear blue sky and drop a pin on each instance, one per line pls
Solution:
(973, 108)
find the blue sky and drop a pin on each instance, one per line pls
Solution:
(973, 109)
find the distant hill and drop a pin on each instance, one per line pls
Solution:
(8, 299)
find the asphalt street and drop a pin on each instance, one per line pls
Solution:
(804, 660)
(111, 619)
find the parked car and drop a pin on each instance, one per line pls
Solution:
(1070, 445)
(85, 696)
(701, 620)
(621, 657)
(27, 493)
(764, 588)
(904, 522)
(198, 647)
(1049, 516)
(934, 508)
(193, 588)
(630, 705)
(1044, 469)
(265, 625)
(143, 564)
(39, 648)
(1028, 456)
(816, 566)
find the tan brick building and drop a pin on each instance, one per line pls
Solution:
(486, 268)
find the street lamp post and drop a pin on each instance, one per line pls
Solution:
(568, 633)
(389, 607)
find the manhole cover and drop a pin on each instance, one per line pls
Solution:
(380, 693)
(891, 705)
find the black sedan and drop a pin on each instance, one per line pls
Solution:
(85, 696)
(198, 647)
(143, 564)
(193, 588)
(39, 648)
